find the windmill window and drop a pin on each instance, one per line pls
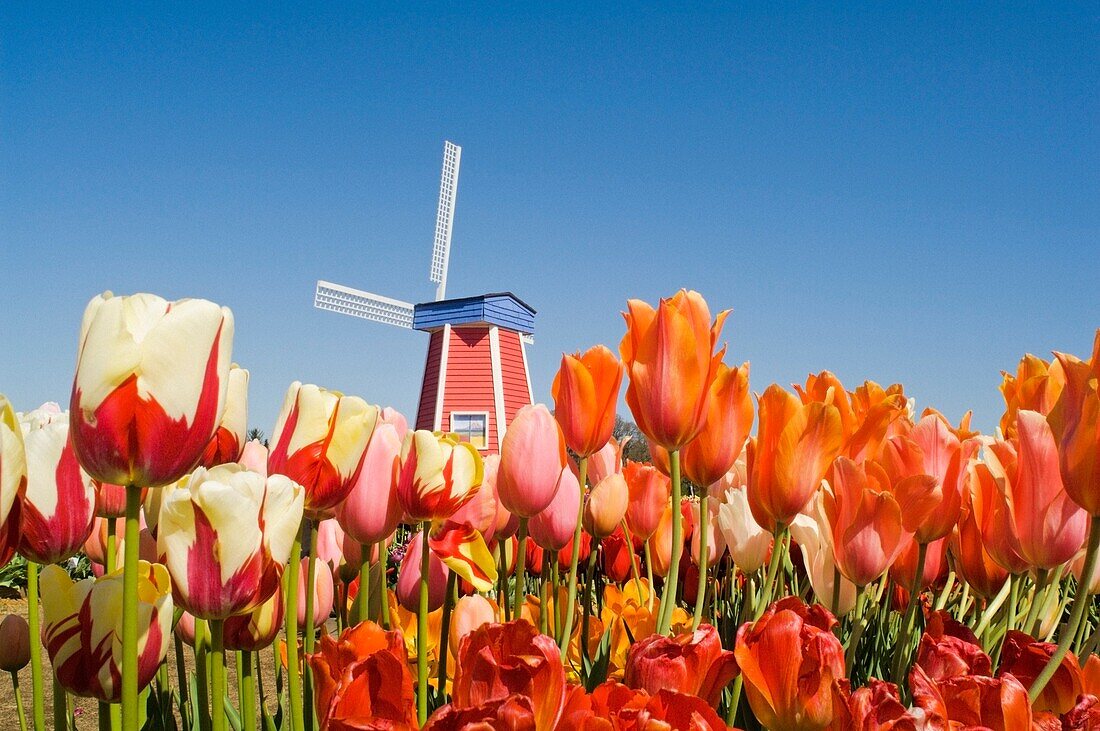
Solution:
(472, 427)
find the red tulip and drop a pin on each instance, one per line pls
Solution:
(232, 432)
(1025, 657)
(149, 374)
(532, 456)
(948, 649)
(669, 355)
(693, 663)
(586, 392)
(612, 705)
(513, 713)
(616, 557)
(969, 701)
(877, 707)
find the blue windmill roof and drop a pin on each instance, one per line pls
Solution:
(503, 309)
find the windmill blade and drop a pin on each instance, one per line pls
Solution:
(445, 216)
(357, 303)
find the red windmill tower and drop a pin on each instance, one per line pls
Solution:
(475, 376)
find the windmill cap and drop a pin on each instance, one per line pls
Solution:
(503, 309)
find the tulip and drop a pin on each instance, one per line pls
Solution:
(483, 510)
(617, 559)
(532, 455)
(83, 625)
(319, 441)
(813, 536)
(606, 505)
(669, 355)
(1036, 386)
(225, 535)
(232, 433)
(877, 707)
(716, 543)
(612, 705)
(1024, 657)
(59, 504)
(254, 457)
(362, 680)
(330, 544)
(711, 454)
(790, 660)
(904, 569)
(970, 701)
(607, 460)
(13, 460)
(660, 543)
(974, 564)
(748, 543)
(149, 374)
(469, 613)
(409, 576)
(991, 509)
(438, 476)
(257, 629)
(794, 447)
(15, 643)
(513, 712)
(649, 494)
(691, 663)
(371, 511)
(1076, 424)
(110, 500)
(323, 589)
(865, 521)
(586, 392)
(948, 649)
(553, 528)
(499, 660)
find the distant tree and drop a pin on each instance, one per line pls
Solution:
(257, 434)
(637, 449)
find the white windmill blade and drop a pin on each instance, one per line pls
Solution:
(357, 303)
(445, 216)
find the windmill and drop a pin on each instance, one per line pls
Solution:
(475, 374)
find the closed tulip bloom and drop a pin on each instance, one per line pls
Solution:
(439, 474)
(669, 354)
(254, 457)
(150, 386)
(946, 457)
(15, 643)
(532, 456)
(660, 543)
(1076, 424)
(408, 577)
(606, 505)
(606, 460)
(225, 535)
(110, 500)
(749, 544)
(716, 541)
(232, 432)
(256, 629)
(498, 660)
(692, 663)
(794, 447)
(13, 460)
(323, 596)
(319, 442)
(59, 503)
(371, 511)
(469, 613)
(649, 494)
(82, 628)
(790, 660)
(553, 528)
(865, 520)
(711, 454)
(586, 392)
(990, 504)
(973, 562)
(813, 536)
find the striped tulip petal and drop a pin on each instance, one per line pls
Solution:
(463, 550)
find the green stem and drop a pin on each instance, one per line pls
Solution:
(445, 631)
(858, 626)
(991, 609)
(38, 707)
(202, 686)
(589, 580)
(772, 577)
(649, 573)
(941, 601)
(383, 587)
(60, 707)
(668, 596)
(422, 631)
(834, 604)
(544, 615)
(181, 679)
(571, 601)
(1080, 602)
(293, 682)
(634, 572)
(1038, 589)
(901, 649)
(217, 676)
(362, 613)
(112, 547)
(130, 610)
(704, 555)
(310, 637)
(245, 692)
(18, 701)
(521, 569)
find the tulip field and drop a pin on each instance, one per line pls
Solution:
(751, 557)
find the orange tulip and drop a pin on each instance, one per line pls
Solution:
(1036, 386)
(709, 456)
(1076, 424)
(669, 356)
(989, 504)
(586, 392)
(973, 562)
(790, 661)
(649, 494)
(693, 663)
(794, 446)
(605, 506)
(866, 521)
(1025, 657)
(972, 701)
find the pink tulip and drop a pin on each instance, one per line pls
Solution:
(254, 457)
(322, 595)
(553, 528)
(607, 460)
(330, 543)
(393, 417)
(482, 511)
(532, 456)
(371, 511)
(469, 613)
(408, 577)
(185, 629)
(716, 542)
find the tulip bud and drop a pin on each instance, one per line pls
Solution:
(185, 629)
(408, 577)
(254, 457)
(586, 392)
(15, 643)
(553, 528)
(606, 506)
(749, 544)
(469, 613)
(607, 460)
(257, 629)
(371, 511)
(649, 493)
(323, 590)
(532, 456)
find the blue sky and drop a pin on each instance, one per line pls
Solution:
(895, 192)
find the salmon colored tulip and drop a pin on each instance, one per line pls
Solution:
(1076, 424)
(232, 432)
(1025, 657)
(973, 562)
(319, 441)
(371, 511)
(532, 455)
(150, 386)
(362, 680)
(257, 629)
(15, 643)
(749, 544)
(254, 457)
(469, 613)
(692, 663)
(712, 452)
(586, 392)
(649, 494)
(606, 505)
(794, 447)
(323, 595)
(499, 660)
(1035, 386)
(903, 570)
(790, 660)
(58, 505)
(553, 528)
(669, 354)
(607, 460)
(972, 701)
(990, 491)
(13, 460)
(865, 520)
(82, 628)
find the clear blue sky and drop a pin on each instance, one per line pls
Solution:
(891, 192)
